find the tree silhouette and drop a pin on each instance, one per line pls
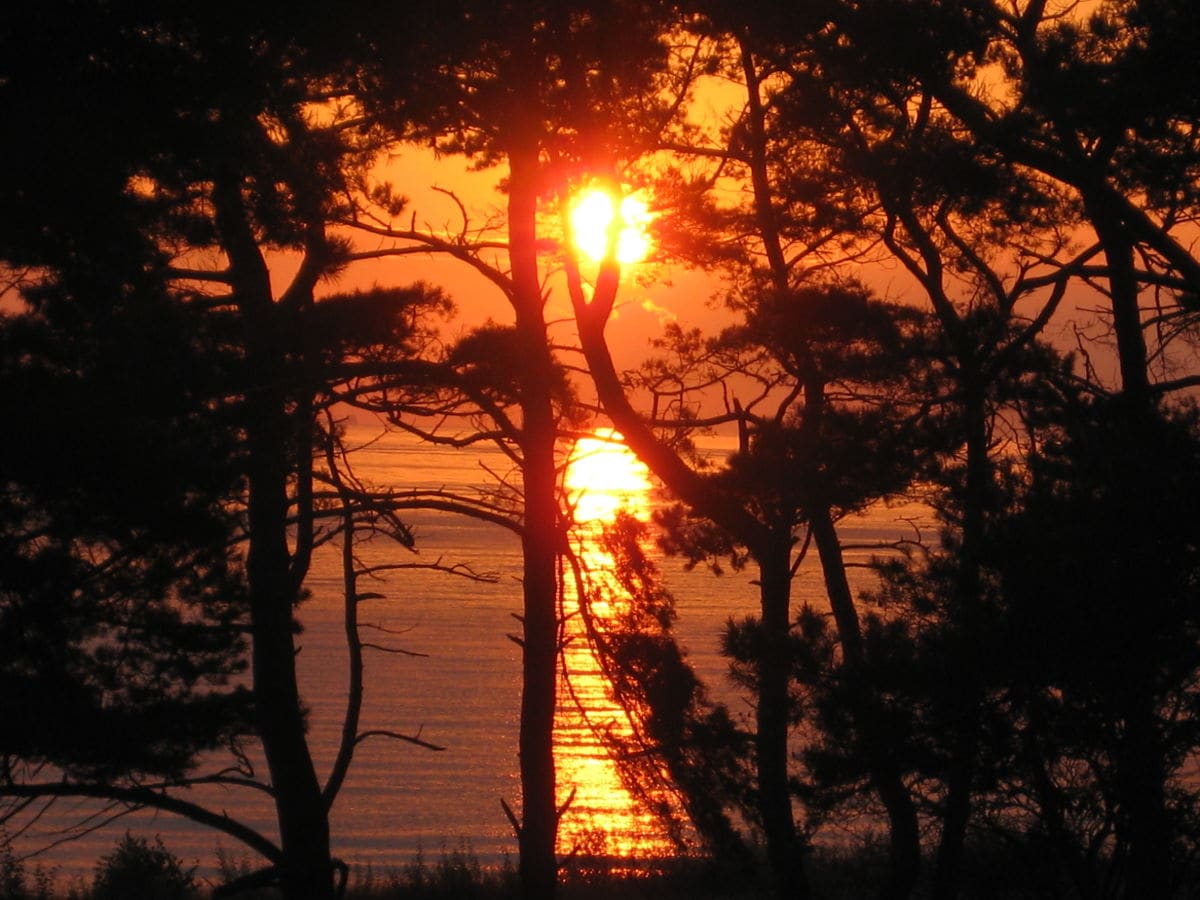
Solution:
(1057, 110)
(145, 268)
(985, 240)
(542, 89)
(819, 365)
(1102, 620)
(1080, 114)
(120, 601)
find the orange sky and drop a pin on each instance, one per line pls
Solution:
(646, 303)
(673, 292)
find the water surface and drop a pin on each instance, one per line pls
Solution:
(456, 683)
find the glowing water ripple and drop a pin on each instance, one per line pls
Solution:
(603, 478)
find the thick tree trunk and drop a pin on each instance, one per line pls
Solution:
(539, 820)
(784, 850)
(904, 851)
(1140, 763)
(306, 870)
(303, 824)
(1140, 788)
(303, 827)
(1123, 296)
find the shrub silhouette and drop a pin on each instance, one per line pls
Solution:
(137, 869)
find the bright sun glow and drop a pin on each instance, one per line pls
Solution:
(603, 476)
(592, 220)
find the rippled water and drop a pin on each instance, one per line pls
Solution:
(459, 690)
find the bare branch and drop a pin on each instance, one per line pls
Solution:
(140, 797)
(397, 736)
(398, 651)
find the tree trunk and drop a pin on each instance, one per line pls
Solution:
(784, 850)
(1140, 788)
(875, 745)
(1037, 753)
(306, 871)
(1140, 778)
(539, 543)
(1123, 295)
(303, 825)
(965, 694)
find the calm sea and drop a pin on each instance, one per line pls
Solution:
(455, 685)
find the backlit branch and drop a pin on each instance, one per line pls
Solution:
(143, 797)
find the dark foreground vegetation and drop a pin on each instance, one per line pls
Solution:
(146, 870)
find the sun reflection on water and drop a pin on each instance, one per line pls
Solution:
(602, 478)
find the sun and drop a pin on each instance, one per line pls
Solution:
(595, 214)
(603, 475)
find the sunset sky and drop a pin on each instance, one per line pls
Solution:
(894, 583)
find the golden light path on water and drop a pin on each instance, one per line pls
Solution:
(602, 478)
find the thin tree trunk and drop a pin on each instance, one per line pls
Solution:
(303, 826)
(354, 649)
(784, 850)
(1035, 747)
(965, 692)
(904, 851)
(539, 542)
(775, 672)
